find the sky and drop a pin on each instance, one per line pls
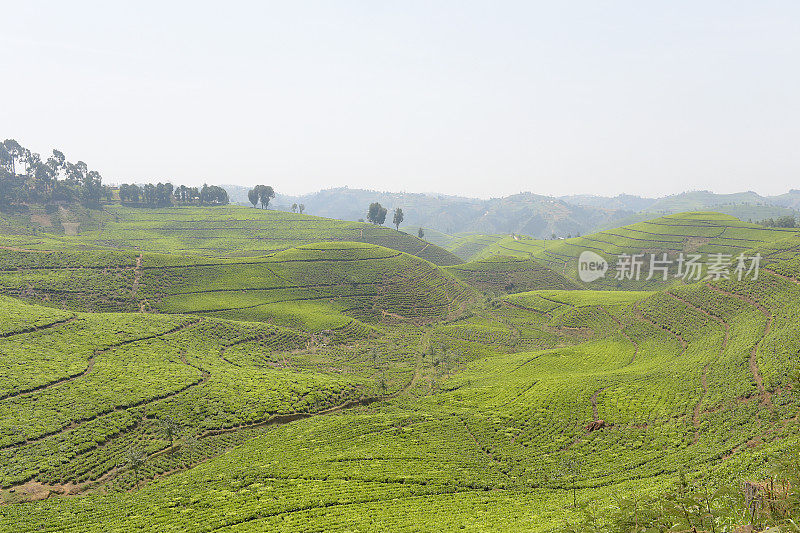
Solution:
(475, 98)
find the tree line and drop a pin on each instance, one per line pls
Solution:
(786, 221)
(26, 177)
(166, 195)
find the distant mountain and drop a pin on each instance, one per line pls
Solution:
(790, 199)
(526, 213)
(622, 202)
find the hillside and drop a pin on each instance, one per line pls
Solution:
(691, 378)
(312, 287)
(701, 233)
(345, 386)
(505, 274)
(219, 231)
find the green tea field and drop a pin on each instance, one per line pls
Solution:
(170, 372)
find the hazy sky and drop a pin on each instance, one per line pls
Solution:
(462, 97)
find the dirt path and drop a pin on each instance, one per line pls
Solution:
(385, 313)
(39, 328)
(787, 278)
(90, 365)
(622, 330)
(765, 396)
(699, 405)
(724, 324)
(703, 381)
(137, 274)
(593, 399)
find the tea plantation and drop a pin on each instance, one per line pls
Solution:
(154, 381)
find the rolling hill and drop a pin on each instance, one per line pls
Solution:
(701, 233)
(349, 386)
(214, 232)
(323, 286)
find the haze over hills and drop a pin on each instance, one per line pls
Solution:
(527, 213)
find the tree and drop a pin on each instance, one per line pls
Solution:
(213, 195)
(170, 428)
(294, 208)
(182, 194)
(398, 218)
(41, 180)
(136, 459)
(261, 193)
(252, 195)
(420, 233)
(301, 208)
(16, 152)
(265, 194)
(376, 213)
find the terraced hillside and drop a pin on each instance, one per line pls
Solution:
(528, 412)
(697, 233)
(686, 379)
(126, 373)
(473, 247)
(243, 232)
(502, 273)
(317, 287)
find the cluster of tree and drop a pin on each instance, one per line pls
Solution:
(787, 221)
(261, 194)
(298, 207)
(26, 178)
(377, 215)
(165, 195)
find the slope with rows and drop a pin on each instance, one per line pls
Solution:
(691, 378)
(500, 273)
(487, 418)
(242, 232)
(314, 287)
(689, 233)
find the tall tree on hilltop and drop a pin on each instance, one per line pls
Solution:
(252, 195)
(17, 153)
(376, 213)
(265, 194)
(398, 218)
(213, 195)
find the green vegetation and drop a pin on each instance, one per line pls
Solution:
(214, 381)
(505, 274)
(236, 231)
(688, 233)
